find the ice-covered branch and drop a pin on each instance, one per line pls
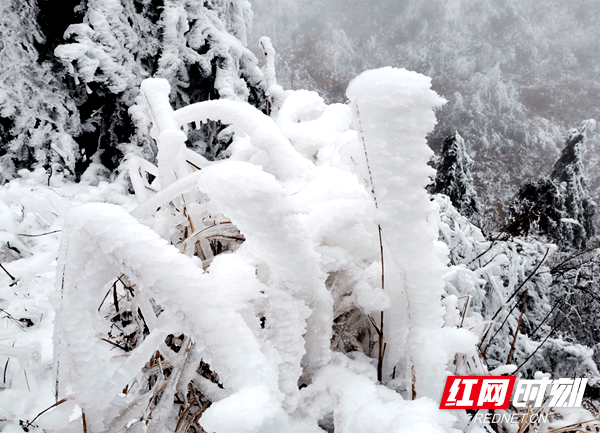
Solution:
(263, 132)
(102, 241)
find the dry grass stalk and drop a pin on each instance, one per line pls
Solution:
(524, 421)
(381, 352)
(8, 273)
(573, 427)
(464, 311)
(27, 380)
(83, 420)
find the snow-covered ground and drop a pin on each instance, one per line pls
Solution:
(305, 283)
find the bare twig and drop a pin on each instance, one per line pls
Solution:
(46, 410)
(27, 380)
(102, 303)
(38, 235)
(7, 273)
(5, 368)
(192, 164)
(115, 344)
(535, 351)
(512, 346)
(115, 297)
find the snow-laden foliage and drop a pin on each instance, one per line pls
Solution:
(414, 288)
(560, 204)
(70, 75)
(495, 281)
(524, 301)
(37, 119)
(453, 177)
(284, 269)
(32, 217)
(262, 258)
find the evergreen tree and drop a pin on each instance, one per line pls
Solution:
(71, 74)
(454, 177)
(38, 118)
(559, 205)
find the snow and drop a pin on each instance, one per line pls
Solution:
(274, 90)
(262, 130)
(504, 369)
(135, 250)
(360, 405)
(267, 268)
(393, 111)
(32, 219)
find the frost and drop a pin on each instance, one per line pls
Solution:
(303, 280)
(393, 111)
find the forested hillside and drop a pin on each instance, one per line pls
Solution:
(517, 74)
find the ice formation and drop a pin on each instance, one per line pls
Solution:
(254, 284)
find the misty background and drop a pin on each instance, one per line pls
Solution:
(517, 74)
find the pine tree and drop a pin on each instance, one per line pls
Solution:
(38, 118)
(569, 172)
(559, 205)
(71, 74)
(454, 177)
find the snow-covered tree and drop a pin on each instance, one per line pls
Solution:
(569, 173)
(559, 205)
(38, 117)
(537, 207)
(453, 176)
(65, 100)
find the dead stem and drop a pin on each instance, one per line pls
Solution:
(512, 346)
(381, 352)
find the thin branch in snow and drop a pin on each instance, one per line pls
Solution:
(381, 353)
(8, 273)
(556, 304)
(537, 348)
(512, 346)
(29, 423)
(40, 234)
(514, 293)
(6, 368)
(500, 328)
(83, 420)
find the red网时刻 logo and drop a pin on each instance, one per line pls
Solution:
(494, 392)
